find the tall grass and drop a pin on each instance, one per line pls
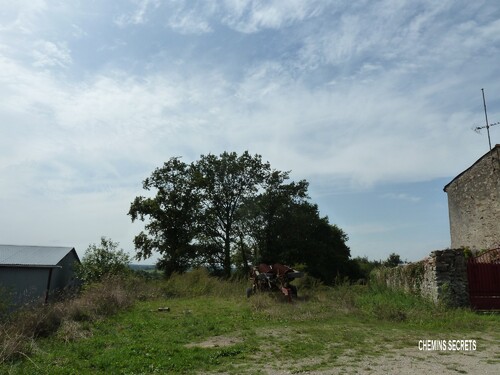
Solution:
(70, 319)
(73, 319)
(199, 283)
(369, 303)
(19, 331)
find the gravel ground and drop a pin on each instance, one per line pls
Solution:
(485, 360)
(407, 362)
(411, 361)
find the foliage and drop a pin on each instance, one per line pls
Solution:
(393, 260)
(173, 216)
(272, 216)
(192, 218)
(361, 267)
(234, 210)
(467, 253)
(226, 182)
(102, 261)
(286, 228)
(408, 278)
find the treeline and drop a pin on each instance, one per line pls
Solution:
(228, 212)
(361, 267)
(108, 260)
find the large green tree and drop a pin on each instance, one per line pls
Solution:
(172, 215)
(192, 218)
(225, 183)
(296, 233)
(233, 210)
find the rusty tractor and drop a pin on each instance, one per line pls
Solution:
(276, 277)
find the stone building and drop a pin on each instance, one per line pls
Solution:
(474, 204)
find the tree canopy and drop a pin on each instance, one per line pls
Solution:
(230, 211)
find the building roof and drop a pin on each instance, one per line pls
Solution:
(497, 148)
(33, 256)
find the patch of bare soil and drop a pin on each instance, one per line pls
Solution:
(215, 342)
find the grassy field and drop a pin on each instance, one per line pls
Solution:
(211, 327)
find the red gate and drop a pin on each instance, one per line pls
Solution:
(483, 274)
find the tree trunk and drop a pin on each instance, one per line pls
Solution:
(246, 267)
(227, 255)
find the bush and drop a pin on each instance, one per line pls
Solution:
(102, 261)
(308, 283)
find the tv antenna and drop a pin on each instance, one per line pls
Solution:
(478, 129)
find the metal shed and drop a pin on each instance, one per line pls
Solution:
(36, 273)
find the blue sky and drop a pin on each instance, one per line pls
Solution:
(372, 102)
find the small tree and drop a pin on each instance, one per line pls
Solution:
(101, 261)
(393, 260)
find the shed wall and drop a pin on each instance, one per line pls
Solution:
(64, 277)
(24, 285)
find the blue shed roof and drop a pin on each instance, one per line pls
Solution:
(34, 256)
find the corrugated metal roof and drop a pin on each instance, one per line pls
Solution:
(37, 256)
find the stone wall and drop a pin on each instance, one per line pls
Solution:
(474, 204)
(445, 277)
(442, 277)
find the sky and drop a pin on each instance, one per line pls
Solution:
(372, 102)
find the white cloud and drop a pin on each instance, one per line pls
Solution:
(139, 15)
(78, 32)
(402, 197)
(246, 16)
(250, 16)
(49, 54)
(188, 23)
(20, 16)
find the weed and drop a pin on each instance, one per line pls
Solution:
(71, 331)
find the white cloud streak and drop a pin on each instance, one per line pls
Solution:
(402, 197)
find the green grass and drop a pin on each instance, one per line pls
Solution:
(213, 327)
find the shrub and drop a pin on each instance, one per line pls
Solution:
(101, 261)
(308, 283)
